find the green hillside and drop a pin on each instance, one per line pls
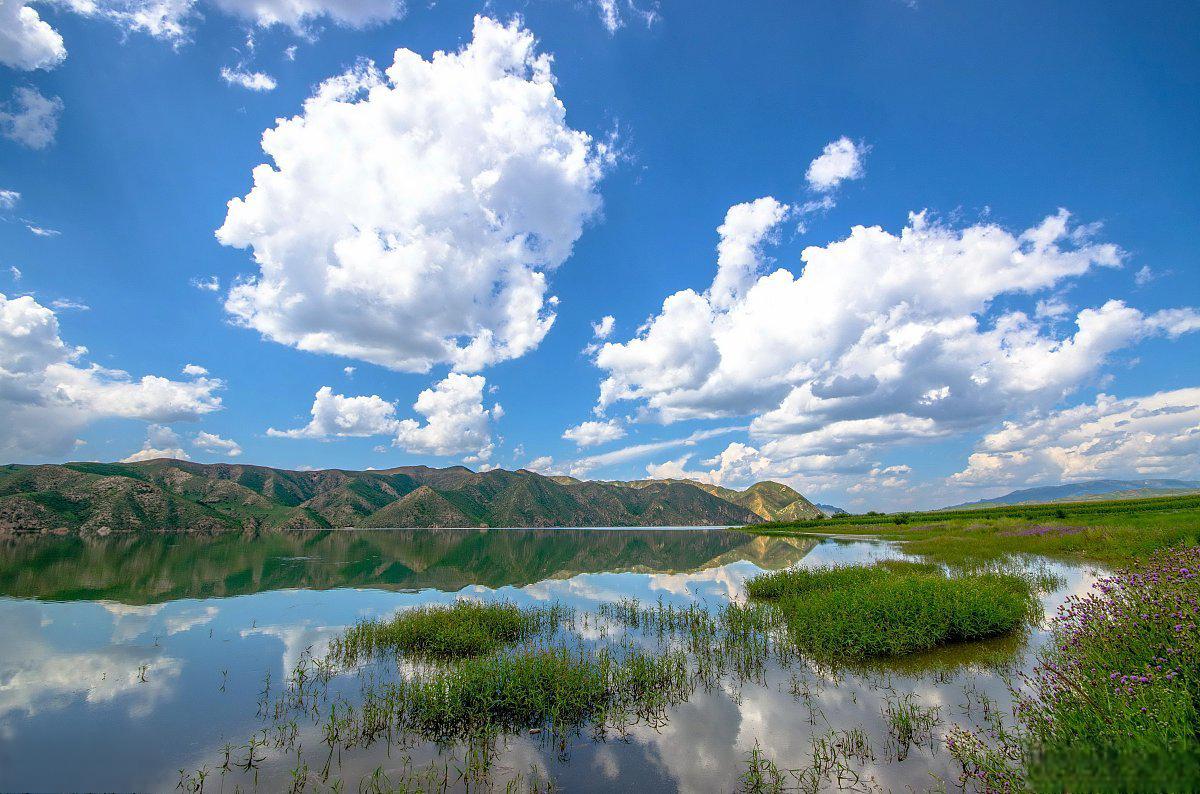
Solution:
(172, 495)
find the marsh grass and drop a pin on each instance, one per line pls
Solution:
(909, 722)
(559, 689)
(468, 677)
(894, 609)
(463, 629)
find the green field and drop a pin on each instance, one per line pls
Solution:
(1114, 532)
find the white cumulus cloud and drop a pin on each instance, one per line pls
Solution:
(604, 328)
(1154, 436)
(27, 42)
(48, 393)
(211, 442)
(161, 442)
(456, 423)
(336, 415)
(173, 19)
(455, 420)
(840, 160)
(411, 215)
(883, 338)
(589, 434)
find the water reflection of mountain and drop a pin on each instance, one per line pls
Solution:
(151, 568)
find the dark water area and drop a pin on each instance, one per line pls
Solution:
(126, 659)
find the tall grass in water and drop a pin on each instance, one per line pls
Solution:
(557, 688)
(893, 609)
(1113, 703)
(466, 628)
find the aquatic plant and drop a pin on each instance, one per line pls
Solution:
(891, 610)
(555, 688)
(465, 628)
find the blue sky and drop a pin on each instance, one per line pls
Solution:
(400, 226)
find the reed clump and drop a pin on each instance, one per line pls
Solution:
(894, 609)
(440, 632)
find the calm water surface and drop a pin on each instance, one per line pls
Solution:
(126, 659)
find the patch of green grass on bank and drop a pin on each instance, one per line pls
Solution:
(466, 628)
(892, 610)
(1114, 532)
(1112, 704)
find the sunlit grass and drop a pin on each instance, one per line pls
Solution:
(1115, 532)
(893, 609)
(1114, 701)
(466, 628)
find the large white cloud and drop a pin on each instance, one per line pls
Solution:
(456, 423)
(411, 215)
(883, 338)
(1153, 436)
(27, 41)
(48, 393)
(30, 119)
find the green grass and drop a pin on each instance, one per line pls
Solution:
(1115, 701)
(892, 610)
(1114, 532)
(559, 688)
(466, 628)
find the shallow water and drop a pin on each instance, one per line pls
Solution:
(124, 660)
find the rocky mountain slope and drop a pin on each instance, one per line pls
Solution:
(172, 495)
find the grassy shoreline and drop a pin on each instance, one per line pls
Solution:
(1114, 533)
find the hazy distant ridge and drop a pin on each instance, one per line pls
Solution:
(1089, 491)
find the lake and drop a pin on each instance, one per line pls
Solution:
(126, 659)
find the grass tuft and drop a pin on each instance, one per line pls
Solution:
(894, 609)
(464, 629)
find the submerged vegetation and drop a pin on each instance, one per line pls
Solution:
(892, 609)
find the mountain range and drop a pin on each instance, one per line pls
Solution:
(1088, 491)
(173, 495)
(153, 567)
